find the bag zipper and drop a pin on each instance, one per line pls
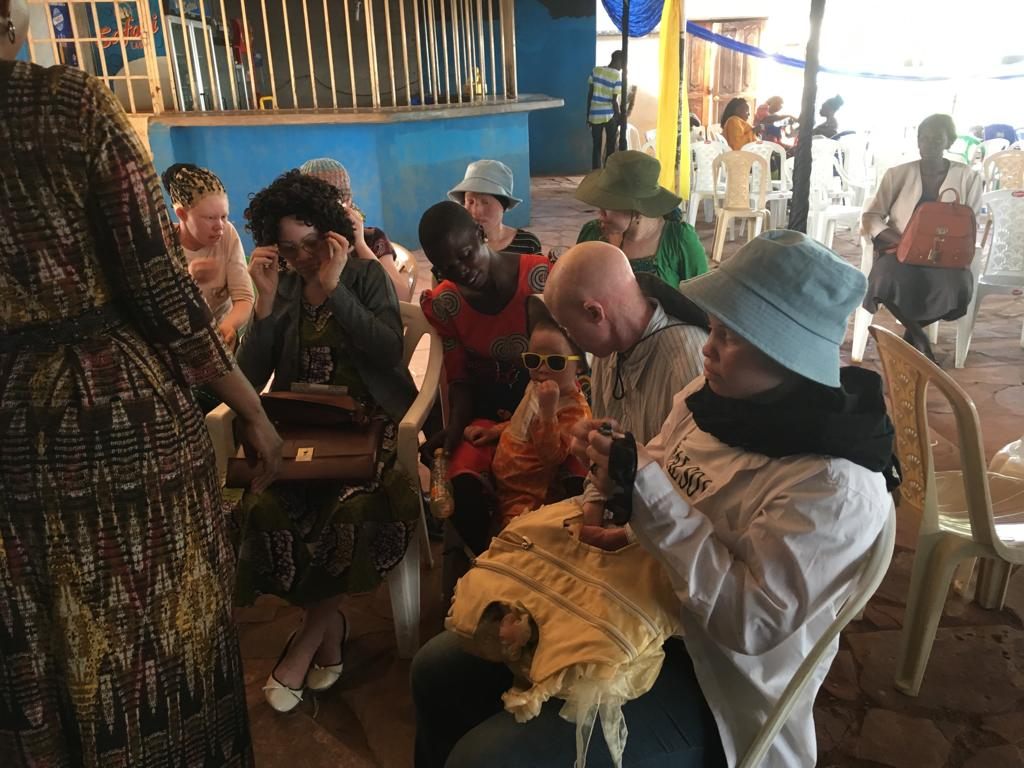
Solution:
(606, 627)
(525, 543)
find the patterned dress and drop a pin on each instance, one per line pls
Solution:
(310, 541)
(116, 641)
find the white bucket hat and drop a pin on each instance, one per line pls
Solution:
(487, 177)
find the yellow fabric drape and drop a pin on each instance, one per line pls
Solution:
(671, 103)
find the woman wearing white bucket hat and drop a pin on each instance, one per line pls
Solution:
(486, 192)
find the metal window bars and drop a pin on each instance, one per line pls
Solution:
(219, 55)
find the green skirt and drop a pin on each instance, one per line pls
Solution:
(306, 542)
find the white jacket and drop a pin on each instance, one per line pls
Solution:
(761, 562)
(900, 189)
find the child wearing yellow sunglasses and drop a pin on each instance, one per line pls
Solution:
(534, 444)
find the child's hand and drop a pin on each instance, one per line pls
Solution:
(479, 435)
(547, 399)
(593, 513)
(608, 539)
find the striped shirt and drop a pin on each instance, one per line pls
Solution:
(666, 359)
(607, 85)
(524, 242)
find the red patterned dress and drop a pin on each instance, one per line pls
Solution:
(484, 350)
(116, 573)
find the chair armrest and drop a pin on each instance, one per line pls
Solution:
(220, 423)
(867, 254)
(416, 416)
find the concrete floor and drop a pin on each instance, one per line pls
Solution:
(970, 711)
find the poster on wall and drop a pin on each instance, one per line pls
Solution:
(124, 17)
(60, 18)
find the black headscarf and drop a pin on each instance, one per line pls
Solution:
(848, 422)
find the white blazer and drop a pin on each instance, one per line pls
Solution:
(900, 191)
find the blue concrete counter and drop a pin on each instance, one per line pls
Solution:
(401, 160)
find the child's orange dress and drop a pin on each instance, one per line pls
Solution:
(531, 452)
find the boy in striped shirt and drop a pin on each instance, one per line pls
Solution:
(603, 101)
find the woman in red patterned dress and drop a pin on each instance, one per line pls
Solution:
(479, 309)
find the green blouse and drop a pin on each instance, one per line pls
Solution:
(680, 254)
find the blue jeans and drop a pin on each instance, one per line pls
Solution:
(460, 721)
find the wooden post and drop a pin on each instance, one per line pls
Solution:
(624, 97)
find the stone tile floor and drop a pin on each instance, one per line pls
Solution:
(970, 711)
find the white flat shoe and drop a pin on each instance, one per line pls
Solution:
(320, 679)
(279, 696)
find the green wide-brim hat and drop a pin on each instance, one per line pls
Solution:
(629, 182)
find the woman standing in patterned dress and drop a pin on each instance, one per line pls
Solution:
(116, 573)
(323, 316)
(479, 309)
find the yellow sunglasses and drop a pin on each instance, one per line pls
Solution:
(532, 360)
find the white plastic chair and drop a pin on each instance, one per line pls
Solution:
(829, 184)
(1002, 271)
(965, 513)
(1004, 170)
(870, 578)
(407, 268)
(632, 137)
(782, 190)
(862, 318)
(991, 146)
(704, 179)
(858, 165)
(714, 133)
(740, 200)
(404, 579)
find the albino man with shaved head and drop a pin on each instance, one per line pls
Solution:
(646, 336)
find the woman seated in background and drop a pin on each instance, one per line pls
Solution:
(830, 126)
(736, 129)
(367, 242)
(918, 296)
(479, 309)
(324, 317)
(212, 247)
(642, 218)
(486, 192)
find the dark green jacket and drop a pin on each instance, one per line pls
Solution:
(366, 306)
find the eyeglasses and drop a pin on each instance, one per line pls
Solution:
(308, 246)
(532, 360)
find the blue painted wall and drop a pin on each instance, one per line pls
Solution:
(555, 49)
(398, 170)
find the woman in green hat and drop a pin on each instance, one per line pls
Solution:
(642, 218)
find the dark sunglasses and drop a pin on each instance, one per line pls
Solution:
(532, 360)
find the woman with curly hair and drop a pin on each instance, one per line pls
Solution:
(321, 317)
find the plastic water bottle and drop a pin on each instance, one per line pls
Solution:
(442, 499)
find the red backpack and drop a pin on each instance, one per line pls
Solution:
(940, 235)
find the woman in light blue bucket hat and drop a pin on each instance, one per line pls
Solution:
(486, 192)
(763, 495)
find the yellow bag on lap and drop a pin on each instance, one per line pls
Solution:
(572, 621)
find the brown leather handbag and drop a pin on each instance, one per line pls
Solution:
(939, 235)
(326, 438)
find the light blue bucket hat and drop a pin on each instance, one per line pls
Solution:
(488, 177)
(789, 296)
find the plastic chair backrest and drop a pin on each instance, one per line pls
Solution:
(871, 576)
(766, 149)
(908, 374)
(991, 146)
(704, 155)
(714, 132)
(856, 157)
(824, 163)
(632, 137)
(1006, 246)
(416, 326)
(1004, 170)
(738, 166)
(407, 267)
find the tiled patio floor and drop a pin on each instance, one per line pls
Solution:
(971, 708)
